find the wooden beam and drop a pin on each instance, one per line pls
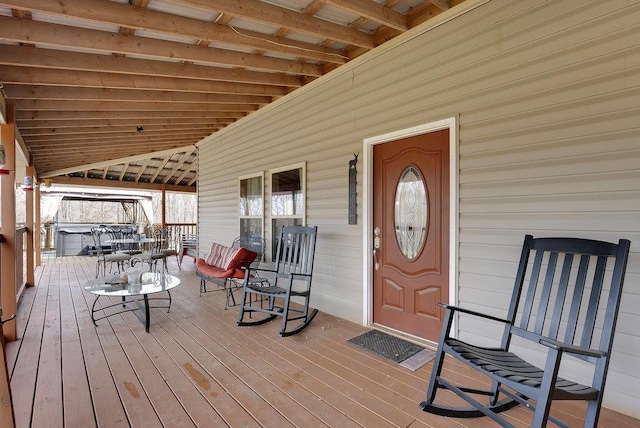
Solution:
(8, 226)
(90, 79)
(186, 172)
(31, 233)
(266, 13)
(118, 115)
(62, 36)
(418, 15)
(163, 205)
(78, 181)
(126, 137)
(130, 159)
(26, 125)
(83, 156)
(3, 109)
(142, 168)
(145, 19)
(179, 164)
(22, 151)
(124, 170)
(35, 92)
(442, 4)
(48, 58)
(119, 129)
(60, 105)
(160, 168)
(374, 11)
(36, 227)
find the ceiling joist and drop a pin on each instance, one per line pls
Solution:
(115, 91)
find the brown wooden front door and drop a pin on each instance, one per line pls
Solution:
(411, 233)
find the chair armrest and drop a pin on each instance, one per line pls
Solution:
(474, 313)
(571, 349)
(241, 264)
(292, 275)
(257, 269)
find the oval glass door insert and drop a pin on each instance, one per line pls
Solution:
(411, 212)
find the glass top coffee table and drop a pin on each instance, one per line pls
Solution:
(135, 296)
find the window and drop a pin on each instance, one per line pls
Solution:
(287, 200)
(251, 206)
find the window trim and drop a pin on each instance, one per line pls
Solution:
(303, 185)
(241, 217)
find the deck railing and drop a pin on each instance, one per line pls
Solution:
(48, 240)
(176, 229)
(20, 260)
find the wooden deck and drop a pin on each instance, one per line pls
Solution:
(197, 368)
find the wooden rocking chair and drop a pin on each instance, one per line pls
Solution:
(555, 305)
(291, 278)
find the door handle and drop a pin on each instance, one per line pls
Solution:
(376, 246)
(375, 259)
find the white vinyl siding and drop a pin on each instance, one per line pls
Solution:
(547, 98)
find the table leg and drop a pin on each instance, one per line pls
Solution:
(146, 313)
(93, 311)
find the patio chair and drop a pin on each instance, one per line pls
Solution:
(291, 278)
(220, 266)
(557, 308)
(169, 244)
(188, 247)
(103, 257)
(122, 238)
(155, 253)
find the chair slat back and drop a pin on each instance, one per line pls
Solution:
(296, 249)
(570, 292)
(96, 234)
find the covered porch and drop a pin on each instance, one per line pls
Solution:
(197, 368)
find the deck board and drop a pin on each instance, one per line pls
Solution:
(49, 379)
(267, 367)
(106, 404)
(77, 405)
(197, 368)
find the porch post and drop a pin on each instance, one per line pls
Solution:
(37, 238)
(29, 225)
(164, 205)
(8, 225)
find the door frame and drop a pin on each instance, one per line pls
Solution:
(367, 201)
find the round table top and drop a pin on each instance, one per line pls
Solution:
(113, 285)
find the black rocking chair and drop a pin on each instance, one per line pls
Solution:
(555, 305)
(291, 279)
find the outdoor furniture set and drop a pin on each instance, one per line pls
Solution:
(122, 245)
(266, 290)
(132, 285)
(565, 302)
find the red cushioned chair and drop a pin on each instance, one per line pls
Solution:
(221, 265)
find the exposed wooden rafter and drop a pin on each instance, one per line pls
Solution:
(115, 91)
